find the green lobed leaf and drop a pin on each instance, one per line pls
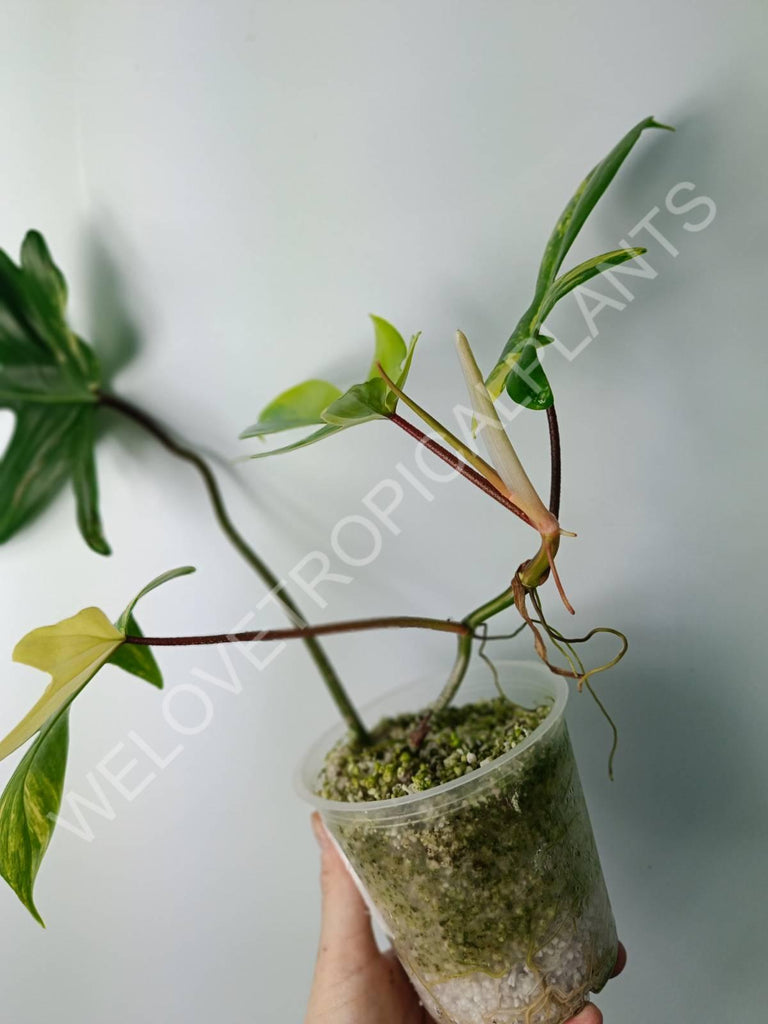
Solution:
(527, 383)
(44, 294)
(582, 273)
(41, 383)
(359, 404)
(317, 401)
(406, 365)
(15, 330)
(158, 581)
(138, 660)
(84, 481)
(49, 378)
(584, 201)
(548, 290)
(35, 464)
(15, 350)
(38, 265)
(317, 435)
(89, 364)
(389, 349)
(299, 406)
(32, 300)
(392, 399)
(28, 807)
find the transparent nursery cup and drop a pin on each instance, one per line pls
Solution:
(490, 886)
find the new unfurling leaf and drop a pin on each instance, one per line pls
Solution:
(501, 451)
(518, 368)
(320, 403)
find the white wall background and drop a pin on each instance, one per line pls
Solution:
(231, 188)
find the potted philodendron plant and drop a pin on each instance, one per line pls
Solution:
(458, 808)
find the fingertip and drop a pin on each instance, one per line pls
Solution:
(621, 960)
(319, 829)
(589, 1015)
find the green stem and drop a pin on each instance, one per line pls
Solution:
(316, 651)
(464, 651)
(534, 572)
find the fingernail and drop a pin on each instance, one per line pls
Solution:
(320, 833)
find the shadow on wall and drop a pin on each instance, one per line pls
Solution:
(118, 335)
(687, 816)
(115, 331)
(114, 328)
(715, 148)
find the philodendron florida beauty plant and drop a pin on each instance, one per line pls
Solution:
(52, 382)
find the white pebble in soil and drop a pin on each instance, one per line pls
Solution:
(478, 998)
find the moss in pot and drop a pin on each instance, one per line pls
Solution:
(489, 883)
(463, 820)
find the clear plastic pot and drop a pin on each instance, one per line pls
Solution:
(490, 886)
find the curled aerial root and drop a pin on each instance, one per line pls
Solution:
(492, 668)
(565, 645)
(556, 576)
(612, 724)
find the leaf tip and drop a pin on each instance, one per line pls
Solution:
(36, 914)
(23, 890)
(99, 545)
(466, 356)
(33, 236)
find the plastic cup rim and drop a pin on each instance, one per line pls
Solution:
(410, 802)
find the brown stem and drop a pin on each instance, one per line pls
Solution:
(554, 452)
(456, 463)
(302, 632)
(190, 456)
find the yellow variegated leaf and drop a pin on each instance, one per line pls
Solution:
(72, 651)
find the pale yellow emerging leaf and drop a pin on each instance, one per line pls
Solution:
(500, 449)
(72, 651)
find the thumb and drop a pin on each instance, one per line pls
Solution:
(346, 935)
(589, 1015)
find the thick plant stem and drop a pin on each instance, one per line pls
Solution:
(464, 651)
(236, 539)
(530, 573)
(555, 460)
(302, 632)
(468, 472)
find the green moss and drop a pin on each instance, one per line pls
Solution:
(460, 741)
(499, 872)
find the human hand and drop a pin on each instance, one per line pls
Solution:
(354, 982)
